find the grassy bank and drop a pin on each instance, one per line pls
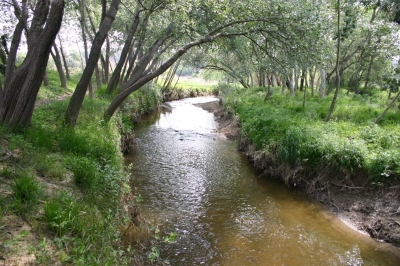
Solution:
(68, 187)
(292, 142)
(65, 193)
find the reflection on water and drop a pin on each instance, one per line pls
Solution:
(200, 187)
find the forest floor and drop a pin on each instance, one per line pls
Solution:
(371, 211)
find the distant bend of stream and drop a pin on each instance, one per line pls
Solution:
(199, 186)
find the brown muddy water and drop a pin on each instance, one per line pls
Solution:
(200, 187)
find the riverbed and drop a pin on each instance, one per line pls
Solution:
(196, 184)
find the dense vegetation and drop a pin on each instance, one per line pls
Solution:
(350, 145)
(133, 53)
(71, 184)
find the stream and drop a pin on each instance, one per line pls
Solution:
(199, 186)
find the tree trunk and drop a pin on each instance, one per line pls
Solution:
(129, 87)
(368, 72)
(313, 73)
(12, 55)
(144, 61)
(18, 99)
(390, 105)
(303, 76)
(328, 116)
(76, 101)
(64, 59)
(57, 60)
(45, 79)
(290, 85)
(112, 85)
(83, 27)
(322, 83)
(107, 62)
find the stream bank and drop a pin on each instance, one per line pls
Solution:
(370, 210)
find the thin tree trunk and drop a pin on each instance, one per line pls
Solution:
(64, 59)
(390, 105)
(76, 101)
(112, 85)
(368, 72)
(328, 116)
(57, 60)
(291, 86)
(12, 55)
(83, 27)
(296, 79)
(175, 68)
(303, 76)
(313, 73)
(322, 84)
(107, 62)
(131, 86)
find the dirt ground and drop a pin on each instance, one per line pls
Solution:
(373, 211)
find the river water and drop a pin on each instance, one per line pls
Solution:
(199, 186)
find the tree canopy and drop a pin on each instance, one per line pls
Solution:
(253, 42)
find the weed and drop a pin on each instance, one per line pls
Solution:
(26, 192)
(84, 170)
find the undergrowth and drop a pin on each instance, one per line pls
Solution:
(297, 136)
(72, 180)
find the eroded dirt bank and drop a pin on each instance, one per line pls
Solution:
(371, 210)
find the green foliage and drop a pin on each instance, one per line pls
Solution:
(84, 171)
(61, 213)
(300, 137)
(26, 192)
(81, 227)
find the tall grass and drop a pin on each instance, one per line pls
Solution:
(86, 219)
(298, 136)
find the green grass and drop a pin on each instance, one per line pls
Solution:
(298, 136)
(187, 87)
(54, 89)
(25, 192)
(85, 161)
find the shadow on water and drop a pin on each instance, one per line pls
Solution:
(200, 187)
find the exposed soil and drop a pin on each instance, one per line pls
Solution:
(228, 126)
(370, 210)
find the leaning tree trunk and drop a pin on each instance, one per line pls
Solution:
(18, 99)
(12, 55)
(131, 86)
(76, 101)
(328, 115)
(85, 46)
(390, 105)
(64, 59)
(57, 60)
(112, 85)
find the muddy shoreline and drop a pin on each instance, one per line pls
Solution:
(374, 211)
